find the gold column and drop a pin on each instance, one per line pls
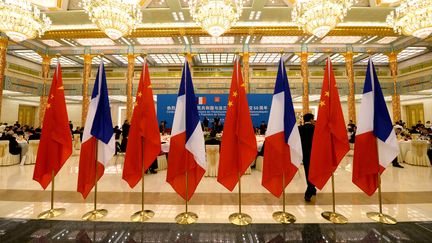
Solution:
(305, 77)
(86, 77)
(349, 65)
(130, 76)
(395, 97)
(246, 70)
(46, 62)
(3, 47)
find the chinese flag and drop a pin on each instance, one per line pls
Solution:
(55, 145)
(144, 142)
(238, 147)
(330, 140)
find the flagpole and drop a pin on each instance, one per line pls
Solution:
(282, 216)
(186, 217)
(52, 212)
(95, 214)
(143, 215)
(379, 216)
(332, 216)
(240, 218)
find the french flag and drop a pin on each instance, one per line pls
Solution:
(186, 157)
(283, 150)
(98, 131)
(375, 142)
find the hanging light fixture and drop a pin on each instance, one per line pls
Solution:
(318, 17)
(20, 20)
(412, 17)
(216, 16)
(116, 18)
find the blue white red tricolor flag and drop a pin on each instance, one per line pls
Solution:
(187, 148)
(375, 142)
(283, 150)
(98, 131)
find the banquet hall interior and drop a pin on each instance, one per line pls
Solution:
(36, 36)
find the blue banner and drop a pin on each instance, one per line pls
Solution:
(212, 105)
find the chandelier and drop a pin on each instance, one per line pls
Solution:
(115, 17)
(216, 16)
(21, 20)
(318, 17)
(412, 17)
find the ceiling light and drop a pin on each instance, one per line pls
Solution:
(318, 17)
(341, 39)
(216, 16)
(387, 40)
(412, 17)
(216, 40)
(115, 17)
(156, 40)
(279, 39)
(95, 42)
(51, 43)
(21, 20)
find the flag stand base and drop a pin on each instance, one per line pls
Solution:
(186, 218)
(95, 215)
(284, 217)
(142, 216)
(240, 219)
(381, 218)
(335, 218)
(52, 213)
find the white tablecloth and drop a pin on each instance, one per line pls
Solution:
(417, 155)
(404, 147)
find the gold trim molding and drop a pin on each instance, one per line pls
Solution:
(236, 31)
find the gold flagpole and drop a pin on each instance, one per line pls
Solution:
(52, 212)
(143, 215)
(334, 217)
(282, 216)
(379, 216)
(95, 214)
(240, 218)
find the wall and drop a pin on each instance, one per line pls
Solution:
(427, 107)
(10, 108)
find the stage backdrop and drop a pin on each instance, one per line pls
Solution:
(210, 105)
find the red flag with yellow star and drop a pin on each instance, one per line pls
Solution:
(144, 142)
(330, 140)
(239, 146)
(55, 145)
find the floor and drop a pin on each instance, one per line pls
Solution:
(406, 196)
(12, 231)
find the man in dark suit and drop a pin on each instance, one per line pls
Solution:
(212, 139)
(306, 135)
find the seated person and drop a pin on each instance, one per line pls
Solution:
(23, 144)
(14, 149)
(212, 140)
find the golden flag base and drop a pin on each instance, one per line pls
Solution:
(52, 213)
(186, 218)
(95, 214)
(335, 218)
(284, 217)
(142, 216)
(381, 218)
(240, 219)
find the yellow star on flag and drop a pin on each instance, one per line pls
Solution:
(322, 103)
(52, 97)
(136, 104)
(149, 86)
(242, 85)
(48, 105)
(139, 94)
(327, 93)
(61, 87)
(230, 103)
(235, 94)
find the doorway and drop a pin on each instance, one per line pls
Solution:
(414, 113)
(26, 115)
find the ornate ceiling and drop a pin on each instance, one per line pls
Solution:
(265, 28)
